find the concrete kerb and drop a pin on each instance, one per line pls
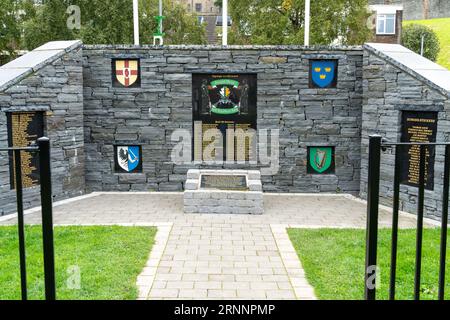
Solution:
(145, 280)
(296, 274)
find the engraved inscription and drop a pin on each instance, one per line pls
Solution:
(24, 128)
(224, 182)
(418, 127)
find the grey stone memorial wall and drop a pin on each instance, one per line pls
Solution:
(48, 81)
(149, 115)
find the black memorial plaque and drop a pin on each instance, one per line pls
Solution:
(24, 128)
(224, 182)
(223, 102)
(418, 126)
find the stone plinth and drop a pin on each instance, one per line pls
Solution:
(223, 192)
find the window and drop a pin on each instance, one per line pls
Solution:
(386, 24)
(198, 7)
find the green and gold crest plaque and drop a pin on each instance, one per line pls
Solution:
(320, 160)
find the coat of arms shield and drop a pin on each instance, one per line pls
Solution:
(228, 100)
(126, 72)
(128, 158)
(323, 73)
(320, 159)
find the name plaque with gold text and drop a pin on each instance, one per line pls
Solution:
(418, 127)
(24, 128)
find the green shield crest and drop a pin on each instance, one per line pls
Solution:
(320, 158)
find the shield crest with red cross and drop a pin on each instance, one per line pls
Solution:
(127, 72)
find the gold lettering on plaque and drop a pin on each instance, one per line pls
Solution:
(25, 128)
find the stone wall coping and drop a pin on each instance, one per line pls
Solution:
(424, 70)
(20, 108)
(223, 48)
(20, 68)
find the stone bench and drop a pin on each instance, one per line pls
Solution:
(223, 192)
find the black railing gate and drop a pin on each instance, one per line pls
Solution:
(375, 146)
(43, 148)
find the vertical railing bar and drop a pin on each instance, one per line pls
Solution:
(420, 207)
(47, 218)
(372, 216)
(20, 222)
(395, 209)
(445, 195)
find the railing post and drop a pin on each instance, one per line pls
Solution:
(420, 205)
(20, 222)
(47, 217)
(372, 216)
(444, 224)
(395, 209)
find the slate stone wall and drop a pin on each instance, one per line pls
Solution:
(56, 89)
(148, 115)
(387, 92)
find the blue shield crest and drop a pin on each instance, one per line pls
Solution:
(323, 72)
(128, 157)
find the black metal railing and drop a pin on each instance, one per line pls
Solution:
(375, 146)
(43, 148)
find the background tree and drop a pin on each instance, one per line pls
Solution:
(282, 21)
(180, 27)
(110, 22)
(47, 24)
(12, 13)
(218, 3)
(412, 39)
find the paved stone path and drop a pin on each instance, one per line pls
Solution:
(221, 256)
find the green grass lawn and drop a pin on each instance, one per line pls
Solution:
(333, 260)
(442, 29)
(109, 260)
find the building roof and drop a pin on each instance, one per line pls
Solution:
(16, 70)
(414, 64)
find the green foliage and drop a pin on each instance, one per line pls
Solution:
(48, 24)
(12, 14)
(282, 21)
(218, 3)
(179, 26)
(110, 22)
(109, 260)
(412, 38)
(333, 260)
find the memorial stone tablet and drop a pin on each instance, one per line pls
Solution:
(418, 127)
(24, 128)
(224, 182)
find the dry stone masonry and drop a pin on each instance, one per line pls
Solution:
(148, 115)
(48, 80)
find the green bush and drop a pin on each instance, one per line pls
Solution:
(412, 37)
